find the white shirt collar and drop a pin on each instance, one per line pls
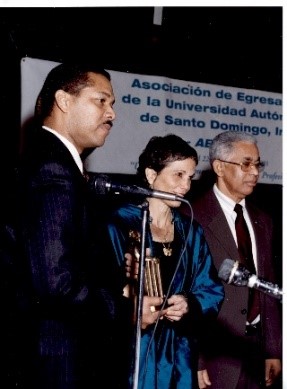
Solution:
(226, 201)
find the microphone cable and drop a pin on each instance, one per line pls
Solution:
(169, 289)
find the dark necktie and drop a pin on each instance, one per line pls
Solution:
(246, 258)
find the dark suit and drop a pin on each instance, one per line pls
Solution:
(226, 345)
(64, 322)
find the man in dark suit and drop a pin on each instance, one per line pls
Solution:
(237, 354)
(63, 318)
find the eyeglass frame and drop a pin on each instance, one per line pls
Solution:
(248, 165)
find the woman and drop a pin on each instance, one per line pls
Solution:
(191, 289)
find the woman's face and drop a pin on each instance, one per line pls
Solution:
(175, 178)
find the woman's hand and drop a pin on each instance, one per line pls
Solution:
(177, 307)
(131, 266)
(152, 310)
(177, 304)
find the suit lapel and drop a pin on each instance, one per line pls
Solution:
(215, 221)
(219, 227)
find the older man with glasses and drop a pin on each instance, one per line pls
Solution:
(239, 351)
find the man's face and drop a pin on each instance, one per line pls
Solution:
(90, 114)
(232, 180)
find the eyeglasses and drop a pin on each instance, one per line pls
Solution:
(247, 166)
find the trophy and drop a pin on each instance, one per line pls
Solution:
(152, 281)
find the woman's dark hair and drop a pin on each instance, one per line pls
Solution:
(160, 151)
(71, 78)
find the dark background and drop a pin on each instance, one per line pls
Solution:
(231, 46)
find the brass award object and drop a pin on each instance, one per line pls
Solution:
(153, 282)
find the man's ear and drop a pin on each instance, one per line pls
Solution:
(150, 175)
(62, 100)
(218, 167)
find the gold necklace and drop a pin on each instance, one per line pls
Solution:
(167, 250)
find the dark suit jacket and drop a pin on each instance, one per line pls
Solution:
(225, 344)
(64, 319)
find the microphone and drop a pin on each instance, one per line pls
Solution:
(102, 184)
(236, 274)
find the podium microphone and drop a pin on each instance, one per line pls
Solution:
(102, 184)
(234, 273)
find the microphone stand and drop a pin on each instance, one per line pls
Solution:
(141, 274)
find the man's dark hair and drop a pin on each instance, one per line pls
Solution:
(71, 78)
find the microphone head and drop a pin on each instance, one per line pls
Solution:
(99, 183)
(233, 272)
(225, 269)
